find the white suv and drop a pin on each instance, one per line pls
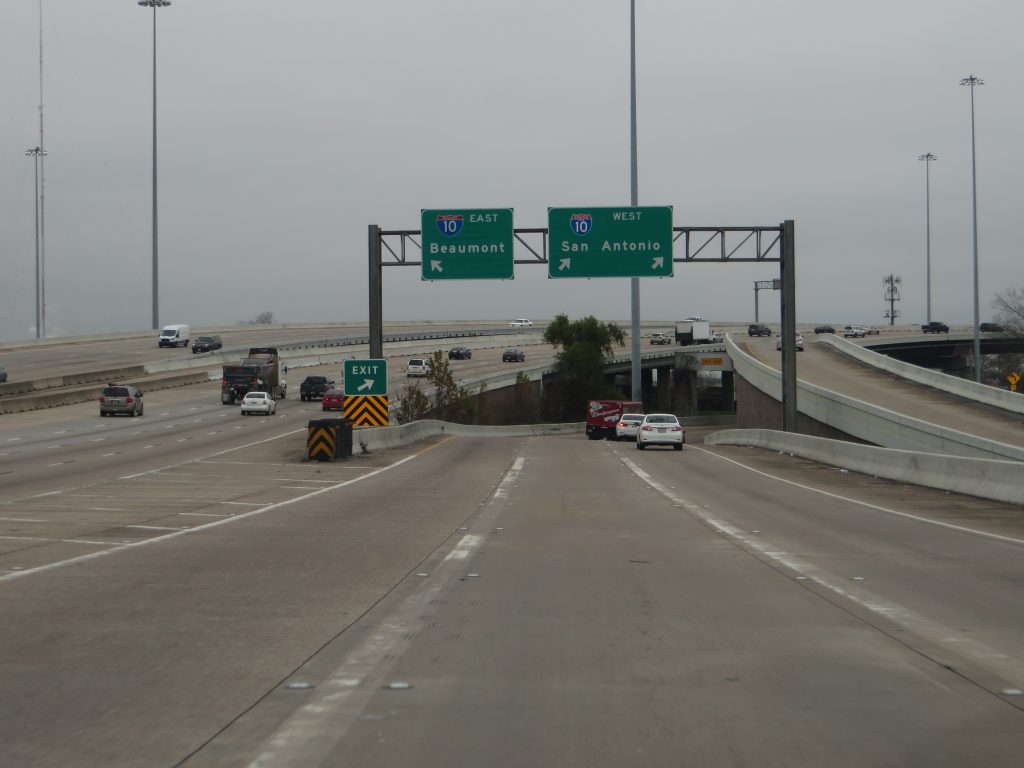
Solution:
(520, 322)
(853, 332)
(418, 366)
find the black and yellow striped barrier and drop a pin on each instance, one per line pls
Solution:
(328, 439)
(366, 410)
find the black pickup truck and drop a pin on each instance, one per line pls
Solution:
(313, 387)
(934, 327)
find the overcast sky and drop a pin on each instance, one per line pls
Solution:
(285, 128)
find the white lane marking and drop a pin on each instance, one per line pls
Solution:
(105, 509)
(467, 545)
(92, 543)
(876, 507)
(110, 454)
(212, 524)
(156, 527)
(98, 439)
(55, 446)
(24, 538)
(202, 514)
(297, 487)
(340, 698)
(47, 493)
(981, 654)
(12, 439)
(244, 503)
(22, 520)
(212, 455)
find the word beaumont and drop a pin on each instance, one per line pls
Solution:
(436, 248)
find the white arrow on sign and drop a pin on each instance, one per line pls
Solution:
(659, 261)
(367, 384)
(436, 266)
(564, 264)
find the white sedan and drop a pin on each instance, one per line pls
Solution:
(520, 322)
(628, 425)
(661, 429)
(799, 343)
(258, 402)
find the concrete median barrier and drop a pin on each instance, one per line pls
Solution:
(83, 393)
(984, 478)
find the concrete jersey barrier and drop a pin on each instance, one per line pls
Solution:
(984, 478)
(867, 421)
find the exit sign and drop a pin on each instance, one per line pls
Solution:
(366, 377)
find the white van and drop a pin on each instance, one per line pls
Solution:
(174, 336)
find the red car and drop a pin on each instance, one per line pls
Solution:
(333, 400)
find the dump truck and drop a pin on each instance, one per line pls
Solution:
(258, 372)
(693, 332)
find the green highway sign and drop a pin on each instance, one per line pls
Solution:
(467, 244)
(610, 242)
(366, 377)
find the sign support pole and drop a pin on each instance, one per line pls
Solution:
(376, 295)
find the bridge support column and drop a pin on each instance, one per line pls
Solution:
(685, 389)
(646, 385)
(728, 391)
(664, 392)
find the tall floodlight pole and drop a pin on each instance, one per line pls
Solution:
(36, 154)
(928, 157)
(154, 4)
(972, 81)
(41, 201)
(634, 282)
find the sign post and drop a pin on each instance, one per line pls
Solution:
(467, 244)
(610, 242)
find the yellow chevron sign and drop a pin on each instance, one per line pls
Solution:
(366, 410)
(320, 444)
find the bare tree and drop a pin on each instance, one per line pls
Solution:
(1009, 307)
(264, 318)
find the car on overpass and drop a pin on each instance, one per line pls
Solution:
(460, 353)
(513, 355)
(661, 338)
(990, 328)
(799, 343)
(520, 322)
(824, 329)
(853, 332)
(3, 375)
(757, 329)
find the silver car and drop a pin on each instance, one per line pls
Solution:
(120, 398)
(258, 402)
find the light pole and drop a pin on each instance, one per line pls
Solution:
(154, 4)
(634, 282)
(972, 81)
(928, 157)
(36, 153)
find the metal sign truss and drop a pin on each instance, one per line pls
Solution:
(698, 244)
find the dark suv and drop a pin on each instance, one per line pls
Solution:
(121, 398)
(756, 329)
(206, 344)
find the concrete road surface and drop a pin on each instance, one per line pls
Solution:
(516, 602)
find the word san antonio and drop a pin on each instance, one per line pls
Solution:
(625, 246)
